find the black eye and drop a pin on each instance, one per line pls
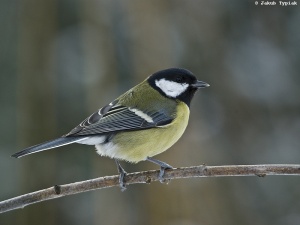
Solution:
(179, 79)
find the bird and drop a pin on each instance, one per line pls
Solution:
(141, 123)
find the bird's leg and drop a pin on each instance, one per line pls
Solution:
(163, 166)
(122, 173)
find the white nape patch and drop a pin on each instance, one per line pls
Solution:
(142, 115)
(92, 140)
(171, 88)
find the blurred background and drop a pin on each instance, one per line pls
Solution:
(62, 60)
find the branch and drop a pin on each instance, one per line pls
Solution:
(58, 191)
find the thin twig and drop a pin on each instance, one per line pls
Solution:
(58, 191)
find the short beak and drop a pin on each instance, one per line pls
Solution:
(200, 84)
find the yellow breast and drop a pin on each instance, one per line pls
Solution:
(135, 146)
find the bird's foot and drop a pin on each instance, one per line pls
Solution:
(122, 174)
(163, 167)
(162, 173)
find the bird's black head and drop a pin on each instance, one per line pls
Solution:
(176, 83)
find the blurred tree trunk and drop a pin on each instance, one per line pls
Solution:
(108, 43)
(36, 99)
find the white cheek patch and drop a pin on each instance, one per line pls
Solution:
(171, 88)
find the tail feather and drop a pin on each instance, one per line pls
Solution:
(48, 145)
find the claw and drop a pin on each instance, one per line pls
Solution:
(163, 166)
(162, 173)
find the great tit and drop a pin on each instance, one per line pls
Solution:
(141, 123)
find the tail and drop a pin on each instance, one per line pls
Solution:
(48, 145)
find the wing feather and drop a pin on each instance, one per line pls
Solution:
(115, 118)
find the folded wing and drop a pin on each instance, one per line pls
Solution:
(115, 117)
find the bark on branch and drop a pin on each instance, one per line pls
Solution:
(58, 191)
